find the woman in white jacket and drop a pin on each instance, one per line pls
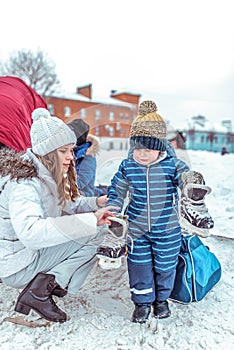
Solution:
(49, 234)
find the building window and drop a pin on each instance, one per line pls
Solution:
(83, 113)
(67, 111)
(126, 116)
(97, 131)
(121, 116)
(97, 114)
(202, 139)
(229, 139)
(51, 109)
(111, 116)
(111, 131)
(118, 126)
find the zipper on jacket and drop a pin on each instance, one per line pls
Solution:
(148, 198)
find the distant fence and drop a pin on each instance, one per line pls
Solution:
(117, 144)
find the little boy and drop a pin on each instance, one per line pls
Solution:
(150, 177)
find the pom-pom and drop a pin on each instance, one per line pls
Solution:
(192, 177)
(40, 112)
(147, 107)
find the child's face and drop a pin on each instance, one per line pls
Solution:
(65, 155)
(145, 156)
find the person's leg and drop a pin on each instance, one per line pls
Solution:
(142, 290)
(164, 282)
(63, 261)
(72, 272)
(141, 279)
(66, 263)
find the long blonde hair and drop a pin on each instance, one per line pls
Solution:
(66, 184)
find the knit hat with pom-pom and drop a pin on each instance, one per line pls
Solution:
(49, 133)
(148, 130)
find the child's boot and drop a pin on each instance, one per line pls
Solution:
(141, 313)
(161, 309)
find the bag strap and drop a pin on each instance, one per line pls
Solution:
(185, 243)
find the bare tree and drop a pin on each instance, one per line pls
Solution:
(35, 68)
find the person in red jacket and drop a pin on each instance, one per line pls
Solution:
(17, 102)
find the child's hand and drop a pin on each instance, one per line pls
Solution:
(101, 201)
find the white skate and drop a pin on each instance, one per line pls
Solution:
(194, 216)
(113, 247)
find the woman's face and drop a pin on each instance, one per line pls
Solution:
(65, 155)
(145, 156)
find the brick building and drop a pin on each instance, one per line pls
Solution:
(110, 117)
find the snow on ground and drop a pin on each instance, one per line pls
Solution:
(100, 314)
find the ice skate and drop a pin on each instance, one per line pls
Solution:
(194, 216)
(113, 247)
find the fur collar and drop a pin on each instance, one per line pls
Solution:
(93, 150)
(13, 164)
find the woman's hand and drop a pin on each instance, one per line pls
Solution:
(103, 213)
(101, 201)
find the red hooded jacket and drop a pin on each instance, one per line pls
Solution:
(17, 101)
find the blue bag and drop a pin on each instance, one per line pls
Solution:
(197, 271)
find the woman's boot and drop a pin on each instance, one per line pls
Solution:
(37, 295)
(59, 291)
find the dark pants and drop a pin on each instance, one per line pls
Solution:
(148, 285)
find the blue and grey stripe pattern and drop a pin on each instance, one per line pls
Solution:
(152, 208)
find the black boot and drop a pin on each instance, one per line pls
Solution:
(141, 313)
(37, 295)
(59, 291)
(161, 309)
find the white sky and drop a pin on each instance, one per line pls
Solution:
(178, 52)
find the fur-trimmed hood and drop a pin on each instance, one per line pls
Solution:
(14, 165)
(93, 150)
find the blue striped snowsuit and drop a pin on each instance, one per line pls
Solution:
(153, 223)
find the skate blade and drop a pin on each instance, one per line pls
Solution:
(107, 263)
(202, 232)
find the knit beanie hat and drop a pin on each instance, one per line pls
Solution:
(81, 130)
(148, 130)
(49, 133)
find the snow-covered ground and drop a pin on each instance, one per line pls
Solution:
(100, 314)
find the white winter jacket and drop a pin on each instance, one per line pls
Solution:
(30, 218)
